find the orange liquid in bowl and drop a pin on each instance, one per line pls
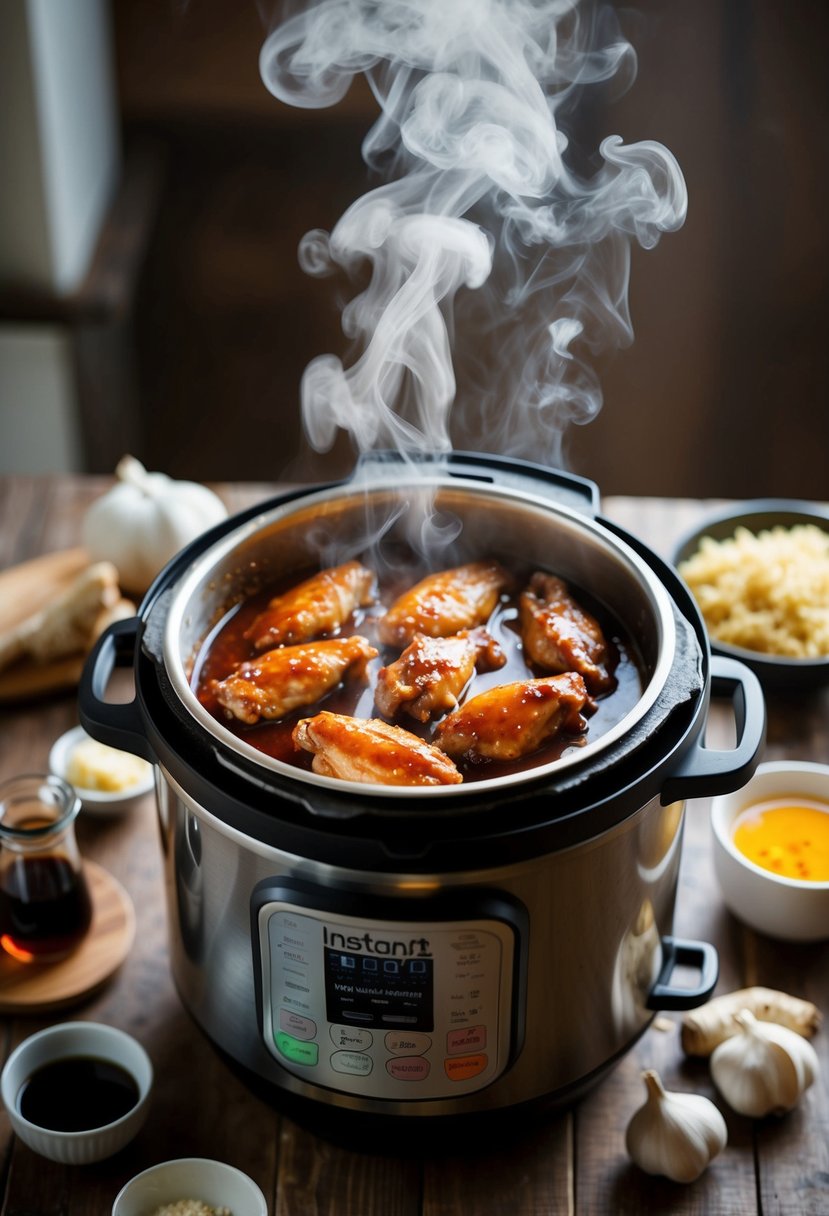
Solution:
(791, 839)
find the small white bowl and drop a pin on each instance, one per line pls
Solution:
(66, 1040)
(213, 1182)
(96, 802)
(792, 909)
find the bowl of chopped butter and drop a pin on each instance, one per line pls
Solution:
(108, 781)
(190, 1186)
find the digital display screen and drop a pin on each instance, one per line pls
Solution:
(377, 992)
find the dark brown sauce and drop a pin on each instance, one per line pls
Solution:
(226, 647)
(45, 909)
(77, 1094)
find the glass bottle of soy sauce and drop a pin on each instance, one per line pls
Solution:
(45, 908)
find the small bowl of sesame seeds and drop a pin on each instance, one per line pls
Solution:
(190, 1186)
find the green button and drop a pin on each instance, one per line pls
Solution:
(295, 1050)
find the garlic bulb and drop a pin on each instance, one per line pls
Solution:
(676, 1135)
(145, 519)
(764, 1069)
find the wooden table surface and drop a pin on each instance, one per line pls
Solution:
(568, 1163)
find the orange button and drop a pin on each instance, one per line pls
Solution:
(461, 1068)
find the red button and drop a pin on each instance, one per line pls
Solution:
(468, 1038)
(408, 1068)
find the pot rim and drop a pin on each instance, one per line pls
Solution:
(200, 569)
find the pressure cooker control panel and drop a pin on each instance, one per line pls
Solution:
(393, 1009)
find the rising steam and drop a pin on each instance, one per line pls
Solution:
(485, 238)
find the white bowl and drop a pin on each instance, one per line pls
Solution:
(213, 1182)
(792, 909)
(97, 802)
(70, 1039)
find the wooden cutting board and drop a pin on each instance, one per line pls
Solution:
(24, 590)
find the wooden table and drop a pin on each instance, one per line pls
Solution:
(570, 1163)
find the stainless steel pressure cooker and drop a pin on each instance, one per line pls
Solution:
(426, 954)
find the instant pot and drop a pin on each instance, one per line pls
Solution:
(440, 953)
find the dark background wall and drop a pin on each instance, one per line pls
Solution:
(724, 389)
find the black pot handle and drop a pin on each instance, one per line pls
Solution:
(118, 725)
(678, 952)
(568, 489)
(704, 772)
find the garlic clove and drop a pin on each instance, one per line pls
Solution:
(764, 1069)
(145, 519)
(806, 1062)
(676, 1135)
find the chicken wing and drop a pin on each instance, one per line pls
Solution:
(315, 607)
(559, 635)
(431, 673)
(444, 603)
(280, 680)
(513, 720)
(372, 751)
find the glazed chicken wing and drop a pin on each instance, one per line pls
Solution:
(318, 606)
(372, 751)
(280, 680)
(559, 635)
(513, 720)
(431, 673)
(445, 603)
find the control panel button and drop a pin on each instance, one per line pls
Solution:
(408, 1068)
(413, 1043)
(297, 1051)
(461, 1042)
(384, 1008)
(295, 1024)
(462, 1068)
(353, 1062)
(352, 1038)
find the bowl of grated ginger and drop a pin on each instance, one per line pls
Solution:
(759, 572)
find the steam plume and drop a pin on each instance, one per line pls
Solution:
(485, 237)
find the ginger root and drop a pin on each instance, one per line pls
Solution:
(705, 1028)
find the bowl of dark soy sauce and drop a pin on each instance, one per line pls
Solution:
(77, 1092)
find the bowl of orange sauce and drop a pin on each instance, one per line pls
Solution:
(771, 850)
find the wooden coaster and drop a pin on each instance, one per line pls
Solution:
(41, 987)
